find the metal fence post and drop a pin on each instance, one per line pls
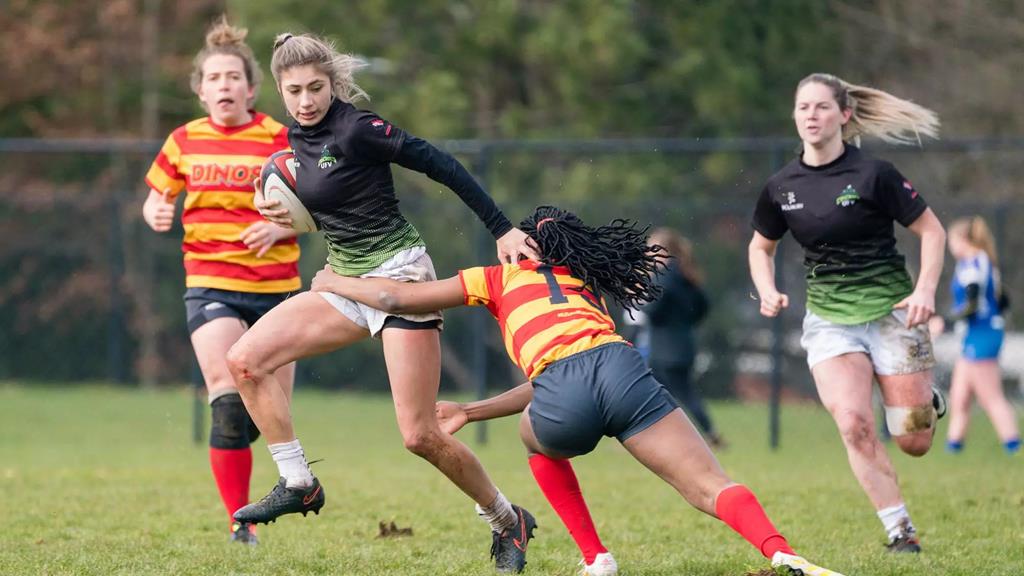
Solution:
(778, 332)
(117, 366)
(479, 322)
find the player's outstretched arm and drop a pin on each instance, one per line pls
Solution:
(452, 416)
(392, 296)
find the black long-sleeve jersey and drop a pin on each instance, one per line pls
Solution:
(343, 174)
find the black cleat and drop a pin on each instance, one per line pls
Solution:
(508, 548)
(244, 534)
(282, 500)
(906, 541)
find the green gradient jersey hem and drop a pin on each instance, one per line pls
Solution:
(367, 256)
(858, 298)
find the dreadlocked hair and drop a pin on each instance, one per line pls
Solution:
(613, 260)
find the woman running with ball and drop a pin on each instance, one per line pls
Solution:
(865, 318)
(237, 265)
(343, 172)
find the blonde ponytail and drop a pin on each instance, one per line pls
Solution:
(877, 113)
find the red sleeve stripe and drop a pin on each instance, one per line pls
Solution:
(180, 136)
(495, 276)
(237, 271)
(219, 216)
(167, 167)
(543, 321)
(561, 341)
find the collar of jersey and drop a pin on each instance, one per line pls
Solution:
(333, 110)
(533, 265)
(847, 151)
(257, 117)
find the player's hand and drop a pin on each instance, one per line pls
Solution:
(324, 280)
(936, 326)
(514, 243)
(450, 416)
(920, 306)
(269, 208)
(159, 212)
(261, 236)
(772, 303)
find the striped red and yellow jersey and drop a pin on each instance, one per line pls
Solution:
(544, 312)
(215, 166)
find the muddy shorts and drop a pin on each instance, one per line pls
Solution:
(604, 391)
(893, 348)
(205, 304)
(411, 265)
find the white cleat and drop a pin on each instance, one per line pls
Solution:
(603, 565)
(800, 565)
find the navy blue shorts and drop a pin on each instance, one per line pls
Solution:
(604, 391)
(205, 304)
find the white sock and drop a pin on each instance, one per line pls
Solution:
(896, 519)
(291, 464)
(499, 513)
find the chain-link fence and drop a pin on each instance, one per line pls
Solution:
(88, 292)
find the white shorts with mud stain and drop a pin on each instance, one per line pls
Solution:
(893, 348)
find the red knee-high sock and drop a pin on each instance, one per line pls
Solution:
(232, 470)
(559, 484)
(738, 507)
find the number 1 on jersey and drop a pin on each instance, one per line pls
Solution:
(556, 291)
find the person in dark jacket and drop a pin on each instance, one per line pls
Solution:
(672, 320)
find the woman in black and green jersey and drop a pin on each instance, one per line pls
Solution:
(865, 316)
(343, 173)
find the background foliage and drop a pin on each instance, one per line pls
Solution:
(77, 264)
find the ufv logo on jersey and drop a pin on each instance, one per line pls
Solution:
(326, 159)
(848, 197)
(791, 203)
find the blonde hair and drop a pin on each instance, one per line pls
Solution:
(878, 113)
(306, 49)
(977, 233)
(680, 249)
(223, 38)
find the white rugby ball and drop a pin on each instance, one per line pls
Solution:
(278, 177)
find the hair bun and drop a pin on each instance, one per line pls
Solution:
(281, 39)
(224, 34)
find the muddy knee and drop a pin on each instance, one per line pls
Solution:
(912, 427)
(423, 443)
(905, 420)
(857, 430)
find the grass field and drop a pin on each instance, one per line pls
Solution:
(98, 480)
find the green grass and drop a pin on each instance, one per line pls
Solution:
(98, 480)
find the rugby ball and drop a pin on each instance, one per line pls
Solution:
(278, 178)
